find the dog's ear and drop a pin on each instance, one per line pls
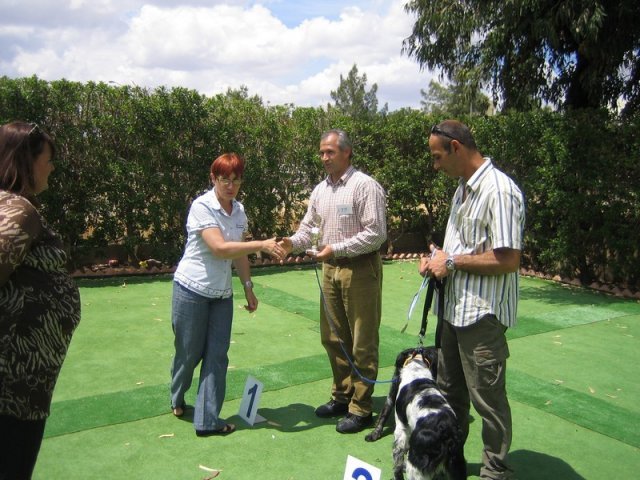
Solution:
(426, 450)
(450, 435)
(402, 357)
(431, 353)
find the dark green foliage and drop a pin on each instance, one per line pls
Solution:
(570, 53)
(580, 173)
(351, 97)
(462, 97)
(131, 160)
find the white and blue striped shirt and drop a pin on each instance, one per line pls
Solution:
(488, 213)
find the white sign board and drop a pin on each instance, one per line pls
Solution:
(359, 470)
(250, 401)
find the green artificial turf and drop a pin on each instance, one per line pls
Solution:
(571, 379)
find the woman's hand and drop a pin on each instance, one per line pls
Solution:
(252, 301)
(273, 248)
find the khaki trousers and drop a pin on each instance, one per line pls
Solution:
(351, 313)
(472, 368)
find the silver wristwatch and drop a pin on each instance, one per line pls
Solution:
(450, 264)
(248, 284)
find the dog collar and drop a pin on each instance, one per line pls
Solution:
(414, 355)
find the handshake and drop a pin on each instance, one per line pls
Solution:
(281, 247)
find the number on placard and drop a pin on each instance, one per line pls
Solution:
(358, 470)
(359, 473)
(252, 391)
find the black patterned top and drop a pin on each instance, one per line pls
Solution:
(39, 309)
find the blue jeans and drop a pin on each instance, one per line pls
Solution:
(202, 328)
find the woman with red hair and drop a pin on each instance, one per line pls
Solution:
(202, 307)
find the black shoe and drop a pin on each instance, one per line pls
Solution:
(332, 409)
(354, 423)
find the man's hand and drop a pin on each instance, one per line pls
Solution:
(325, 254)
(434, 265)
(286, 244)
(499, 261)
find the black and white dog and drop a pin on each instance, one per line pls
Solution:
(427, 431)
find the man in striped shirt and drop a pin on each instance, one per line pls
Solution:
(350, 209)
(480, 260)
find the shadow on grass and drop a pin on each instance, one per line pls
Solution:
(296, 417)
(530, 465)
(534, 465)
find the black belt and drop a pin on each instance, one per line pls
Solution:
(346, 261)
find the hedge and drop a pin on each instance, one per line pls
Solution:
(132, 159)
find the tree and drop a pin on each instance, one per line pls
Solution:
(570, 53)
(455, 100)
(352, 98)
(435, 98)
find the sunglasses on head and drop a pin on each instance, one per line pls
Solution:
(435, 130)
(35, 128)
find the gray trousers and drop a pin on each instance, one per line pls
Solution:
(472, 368)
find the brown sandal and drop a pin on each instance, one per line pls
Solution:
(178, 411)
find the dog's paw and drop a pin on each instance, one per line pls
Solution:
(372, 437)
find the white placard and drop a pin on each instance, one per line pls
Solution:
(250, 401)
(359, 470)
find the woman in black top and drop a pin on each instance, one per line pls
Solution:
(39, 301)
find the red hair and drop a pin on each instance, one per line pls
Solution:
(226, 164)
